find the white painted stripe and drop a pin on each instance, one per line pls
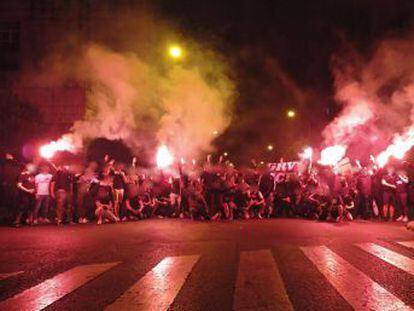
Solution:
(409, 244)
(393, 258)
(51, 290)
(157, 289)
(358, 289)
(259, 285)
(10, 274)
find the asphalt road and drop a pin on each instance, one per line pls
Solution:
(278, 264)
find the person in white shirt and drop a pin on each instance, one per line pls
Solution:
(42, 183)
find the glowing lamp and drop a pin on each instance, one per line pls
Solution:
(291, 114)
(175, 51)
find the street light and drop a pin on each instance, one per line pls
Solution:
(270, 147)
(175, 51)
(291, 113)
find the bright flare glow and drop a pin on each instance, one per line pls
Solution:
(291, 114)
(175, 51)
(398, 148)
(164, 157)
(307, 153)
(332, 155)
(48, 151)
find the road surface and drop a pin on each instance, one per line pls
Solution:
(278, 264)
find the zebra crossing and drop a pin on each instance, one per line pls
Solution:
(259, 284)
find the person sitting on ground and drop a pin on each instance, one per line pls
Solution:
(256, 204)
(134, 206)
(104, 208)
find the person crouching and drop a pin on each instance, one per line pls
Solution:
(104, 208)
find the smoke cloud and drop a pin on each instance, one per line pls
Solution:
(135, 93)
(377, 96)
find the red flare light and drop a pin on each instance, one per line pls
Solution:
(400, 146)
(48, 151)
(164, 157)
(332, 155)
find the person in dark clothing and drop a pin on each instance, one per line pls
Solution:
(256, 204)
(282, 196)
(402, 196)
(161, 193)
(61, 189)
(119, 184)
(389, 184)
(134, 206)
(86, 185)
(197, 203)
(9, 172)
(377, 191)
(26, 195)
(364, 188)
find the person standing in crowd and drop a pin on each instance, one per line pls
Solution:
(389, 184)
(61, 190)
(42, 182)
(283, 197)
(9, 172)
(377, 192)
(196, 201)
(26, 195)
(85, 185)
(175, 197)
(364, 190)
(119, 184)
(402, 195)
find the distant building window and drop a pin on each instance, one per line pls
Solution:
(9, 45)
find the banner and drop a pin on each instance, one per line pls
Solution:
(285, 167)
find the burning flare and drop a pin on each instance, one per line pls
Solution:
(332, 155)
(306, 153)
(164, 157)
(48, 151)
(397, 149)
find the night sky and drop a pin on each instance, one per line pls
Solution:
(281, 54)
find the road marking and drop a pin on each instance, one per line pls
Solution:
(157, 289)
(10, 274)
(358, 289)
(259, 285)
(51, 290)
(393, 258)
(409, 244)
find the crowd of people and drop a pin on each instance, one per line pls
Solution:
(111, 192)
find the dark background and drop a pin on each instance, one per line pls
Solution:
(280, 54)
